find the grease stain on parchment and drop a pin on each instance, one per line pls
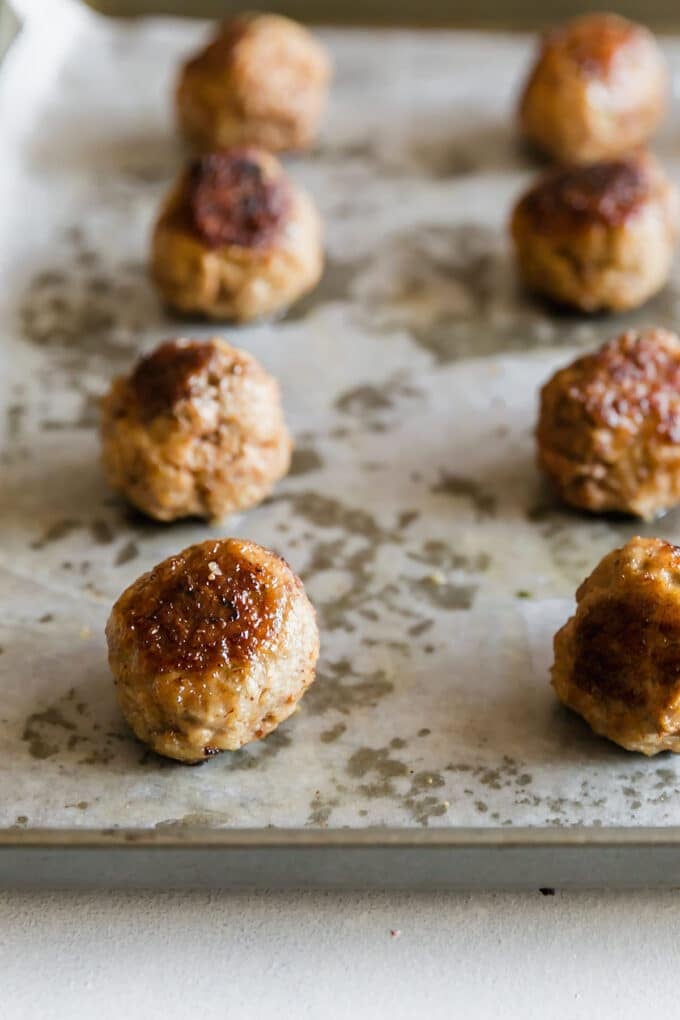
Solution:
(305, 461)
(383, 775)
(67, 726)
(340, 688)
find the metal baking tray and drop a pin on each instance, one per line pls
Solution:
(431, 751)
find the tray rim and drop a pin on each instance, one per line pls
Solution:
(463, 860)
(463, 837)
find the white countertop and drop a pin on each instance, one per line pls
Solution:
(316, 955)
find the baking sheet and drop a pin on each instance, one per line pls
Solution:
(439, 564)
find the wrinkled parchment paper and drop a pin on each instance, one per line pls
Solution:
(439, 564)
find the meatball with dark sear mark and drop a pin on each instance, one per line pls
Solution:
(196, 429)
(235, 239)
(617, 660)
(608, 432)
(597, 237)
(598, 90)
(262, 81)
(212, 649)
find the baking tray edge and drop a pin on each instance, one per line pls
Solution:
(490, 858)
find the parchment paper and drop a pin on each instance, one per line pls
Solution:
(439, 565)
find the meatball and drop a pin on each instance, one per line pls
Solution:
(212, 648)
(235, 239)
(609, 426)
(262, 81)
(597, 90)
(597, 237)
(617, 660)
(196, 429)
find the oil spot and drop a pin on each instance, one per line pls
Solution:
(55, 532)
(420, 628)
(126, 553)
(442, 594)
(335, 286)
(379, 767)
(406, 518)
(333, 734)
(368, 401)
(258, 754)
(15, 414)
(101, 532)
(482, 501)
(41, 729)
(320, 810)
(89, 315)
(304, 461)
(339, 688)
(46, 618)
(362, 399)
(436, 553)
(326, 512)
(65, 728)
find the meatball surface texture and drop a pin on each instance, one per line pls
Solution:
(598, 89)
(597, 237)
(197, 429)
(617, 660)
(235, 239)
(212, 649)
(608, 432)
(262, 80)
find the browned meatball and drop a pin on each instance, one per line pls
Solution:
(597, 90)
(262, 81)
(212, 648)
(609, 426)
(235, 239)
(196, 429)
(598, 237)
(617, 660)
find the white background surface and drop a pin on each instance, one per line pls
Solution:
(315, 955)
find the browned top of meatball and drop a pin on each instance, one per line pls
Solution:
(631, 625)
(170, 373)
(209, 606)
(593, 42)
(232, 200)
(631, 380)
(574, 197)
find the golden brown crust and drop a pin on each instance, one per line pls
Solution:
(608, 432)
(233, 200)
(575, 197)
(262, 80)
(197, 429)
(597, 237)
(168, 375)
(208, 606)
(597, 89)
(212, 648)
(593, 42)
(235, 240)
(617, 660)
